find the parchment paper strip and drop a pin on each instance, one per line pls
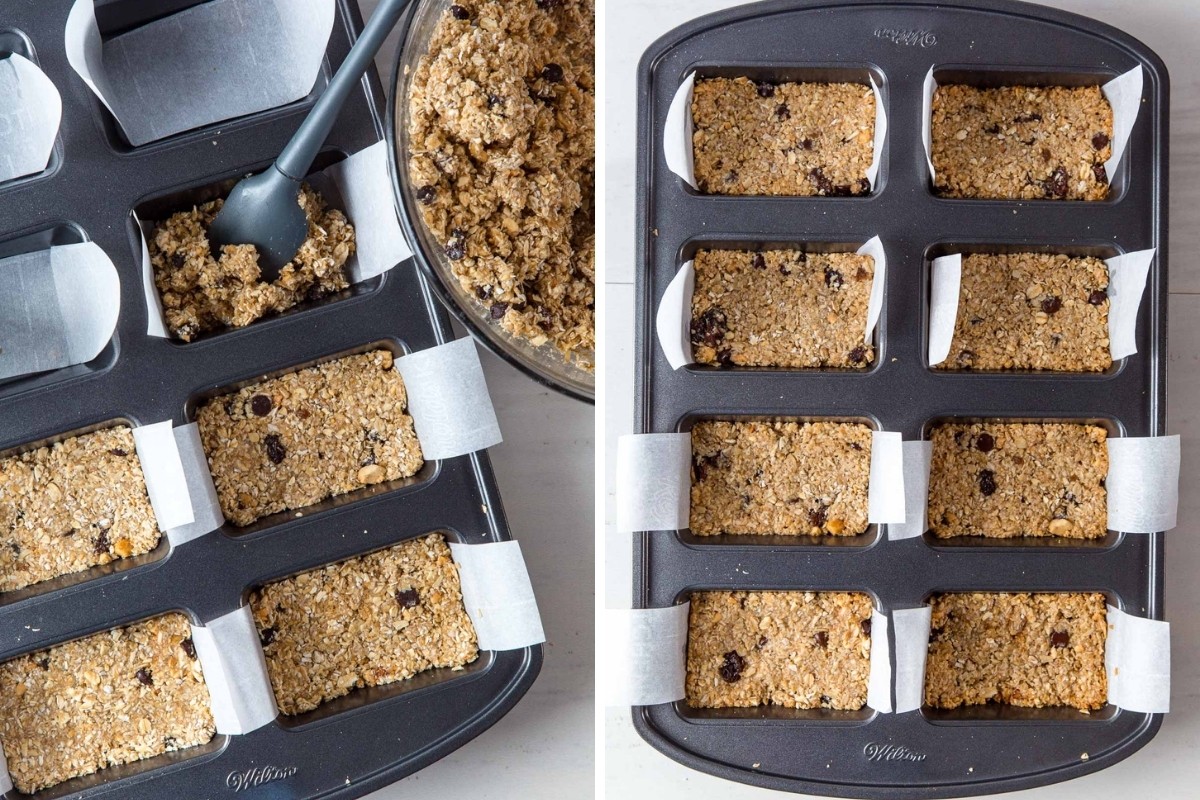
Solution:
(918, 456)
(879, 683)
(647, 655)
(498, 595)
(235, 671)
(448, 399)
(885, 494)
(1137, 658)
(654, 481)
(1143, 483)
(178, 481)
(945, 282)
(6, 783)
(912, 647)
(30, 112)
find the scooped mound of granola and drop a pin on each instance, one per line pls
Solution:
(201, 294)
(502, 155)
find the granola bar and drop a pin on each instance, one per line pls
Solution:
(790, 478)
(1031, 311)
(501, 122)
(296, 440)
(111, 698)
(1021, 142)
(72, 505)
(792, 649)
(795, 139)
(201, 293)
(781, 308)
(1002, 480)
(368, 621)
(1030, 650)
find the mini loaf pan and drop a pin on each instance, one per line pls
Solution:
(946, 754)
(364, 740)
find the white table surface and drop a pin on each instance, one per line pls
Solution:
(1166, 768)
(545, 469)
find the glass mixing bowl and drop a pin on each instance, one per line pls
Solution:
(545, 363)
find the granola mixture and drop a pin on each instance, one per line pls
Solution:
(1031, 311)
(293, 441)
(201, 294)
(112, 698)
(502, 131)
(72, 505)
(781, 308)
(368, 621)
(1021, 142)
(1002, 480)
(789, 478)
(1031, 650)
(797, 139)
(793, 649)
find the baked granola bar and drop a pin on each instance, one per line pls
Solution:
(501, 124)
(1030, 650)
(1031, 311)
(368, 621)
(296, 440)
(72, 505)
(201, 294)
(781, 308)
(1002, 480)
(1021, 142)
(795, 139)
(111, 698)
(793, 649)
(790, 478)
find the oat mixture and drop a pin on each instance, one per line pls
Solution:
(502, 132)
(781, 308)
(1031, 650)
(368, 621)
(201, 294)
(1031, 311)
(1002, 480)
(112, 698)
(789, 478)
(796, 139)
(296, 440)
(1021, 142)
(72, 505)
(792, 649)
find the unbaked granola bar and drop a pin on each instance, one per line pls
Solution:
(296, 440)
(501, 123)
(792, 649)
(111, 698)
(1021, 142)
(201, 294)
(781, 308)
(1031, 311)
(72, 505)
(795, 139)
(789, 478)
(368, 621)
(1002, 480)
(1031, 650)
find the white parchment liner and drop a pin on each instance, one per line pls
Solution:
(360, 187)
(679, 128)
(1137, 658)
(1127, 275)
(673, 321)
(647, 657)
(654, 479)
(178, 481)
(235, 671)
(58, 307)
(1124, 95)
(30, 112)
(211, 62)
(498, 595)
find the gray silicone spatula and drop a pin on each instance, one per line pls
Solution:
(264, 209)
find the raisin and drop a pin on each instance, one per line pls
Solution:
(984, 443)
(483, 292)
(731, 669)
(145, 677)
(817, 517)
(498, 310)
(823, 184)
(806, 144)
(855, 446)
(455, 250)
(725, 357)
(102, 544)
(458, 12)
(549, 5)
(261, 405)
(1100, 141)
(934, 634)
(189, 648)
(865, 625)
(553, 73)
(426, 194)
(1022, 118)
(987, 483)
(731, 176)
(44, 662)
(275, 449)
(408, 598)
(1100, 173)
(709, 328)
(493, 100)
(765, 89)
(782, 112)
(1060, 639)
(543, 318)
(759, 261)
(965, 359)
(858, 355)
(118, 452)
(841, 190)
(266, 636)
(826, 700)
(784, 271)
(1097, 297)
(993, 129)
(1056, 184)
(1051, 304)
(821, 639)
(863, 186)
(833, 278)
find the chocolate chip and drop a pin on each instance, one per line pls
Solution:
(821, 639)
(993, 129)
(44, 662)
(498, 310)
(782, 112)
(101, 544)
(1100, 173)
(1051, 304)
(865, 625)
(806, 144)
(934, 634)
(731, 669)
(483, 292)
(708, 329)
(1100, 141)
(494, 100)
(1060, 639)
(855, 446)
(408, 598)
(759, 262)
(178, 260)
(458, 12)
(1056, 184)
(266, 636)
(261, 405)
(553, 73)
(833, 278)
(1097, 297)
(731, 176)
(858, 355)
(762, 642)
(725, 357)
(275, 449)
(841, 190)
(987, 482)
(549, 5)
(145, 677)
(826, 700)
(170, 742)
(863, 186)
(823, 184)
(965, 359)
(765, 88)
(984, 443)
(454, 250)
(817, 517)
(189, 648)
(1023, 118)
(784, 271)
(426, 194)
(118, 452)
